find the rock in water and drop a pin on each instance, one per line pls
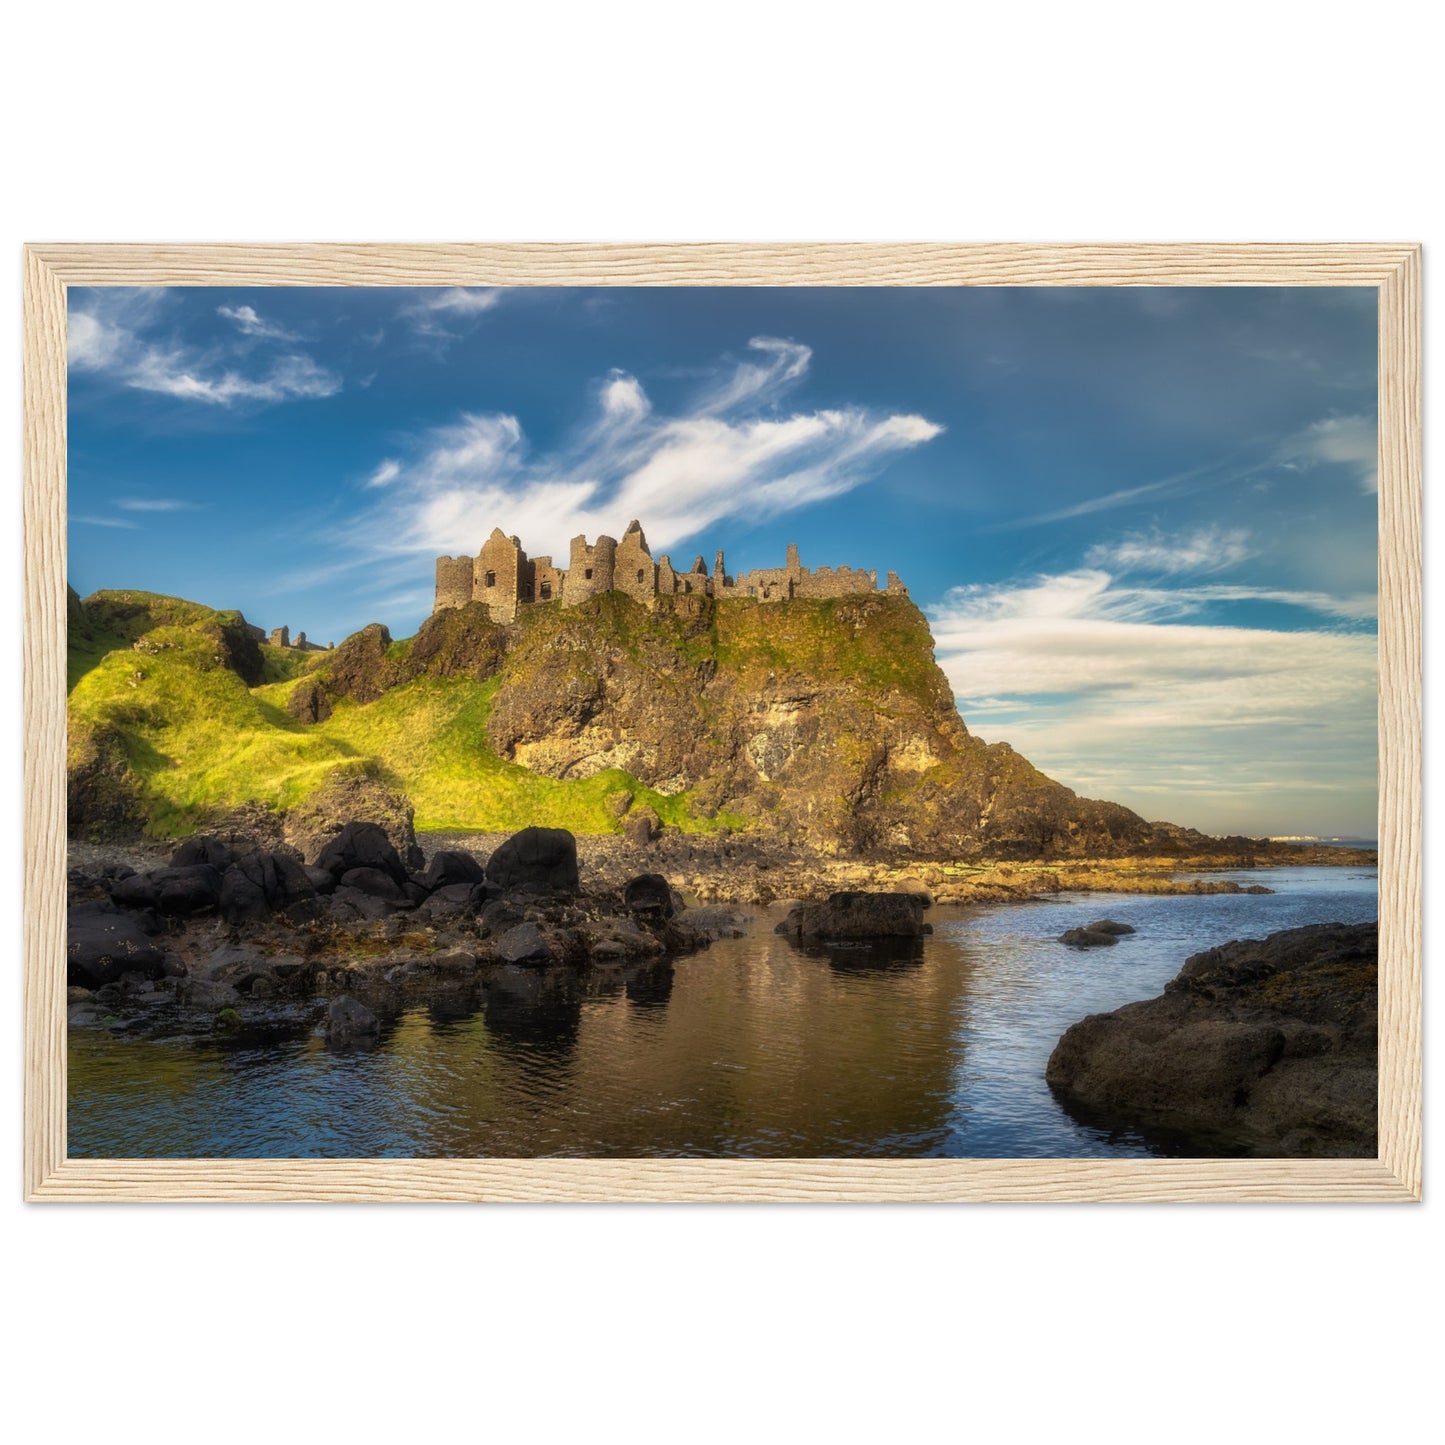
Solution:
(1088, 938)
(649, 895)
(1107, 925)
(857, 915)
(348, 1021)
(1267, 1047)
(542, 860)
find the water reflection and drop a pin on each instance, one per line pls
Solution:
(754, 1048)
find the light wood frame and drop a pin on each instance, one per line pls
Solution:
(1394, 270)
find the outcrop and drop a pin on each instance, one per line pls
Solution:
(1261, 1047)
(348, 940)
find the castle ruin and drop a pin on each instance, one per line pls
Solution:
(506, 579)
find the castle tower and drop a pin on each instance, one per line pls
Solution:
(590, 570)
(454, 582)
(501, 576)
(634, 571)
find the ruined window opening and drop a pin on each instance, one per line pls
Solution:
(752, 591)
(491, 579)
(546, 591)
(687, 586)
(526, 594)
(639, 574)
(588, 574)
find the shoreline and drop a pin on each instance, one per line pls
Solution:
(708, 870)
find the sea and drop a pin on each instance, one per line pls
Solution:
(750, 1049)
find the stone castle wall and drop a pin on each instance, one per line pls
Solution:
(502, 576)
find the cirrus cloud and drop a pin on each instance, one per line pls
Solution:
(730, 453)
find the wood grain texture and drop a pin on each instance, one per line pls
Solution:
(1401, 787)
(44, 722)
(1393, 269)
(723, 265)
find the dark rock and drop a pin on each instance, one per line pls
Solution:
(1088, 938)
(204, 849)
(649, 895)
(322, 879)
(540, 860)
(375, 882)
(450, 867)
(348, 1021)
(414, 893)
(259, 884)
(102, 947)
(1262, 1047)
(526, 943)
(172, 892)
(362, 845)
(351, 905)
(1107, 925)
(449, 902)
(857, 915)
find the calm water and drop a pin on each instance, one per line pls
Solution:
(748, 1049)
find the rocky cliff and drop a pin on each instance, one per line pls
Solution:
(823, 722)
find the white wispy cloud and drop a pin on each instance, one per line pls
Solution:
(443, 315)
(116, 334)
(1351, 441)
(1207, 549)
(1124, 692)
(155, 504)
(91, 521)
(249, 323)
(732, 452)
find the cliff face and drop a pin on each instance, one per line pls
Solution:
(826, 722)
(823, 722)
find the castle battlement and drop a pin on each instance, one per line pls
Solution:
(506, 579)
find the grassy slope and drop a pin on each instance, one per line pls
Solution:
(201, 740)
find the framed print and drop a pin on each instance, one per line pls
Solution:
(804, 722)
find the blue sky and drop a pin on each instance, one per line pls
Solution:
(1142, 522)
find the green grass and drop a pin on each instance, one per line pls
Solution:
(202, 742)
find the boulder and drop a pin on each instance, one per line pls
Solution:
(173, 892)
(351, 905)
(103, 946)
(857, 916)
(1087, 938)
(541, 860)
(361, 845)
(374, 882)
(204, 848)
(649, 895)
(1258, 1047)
(1107, 925)
(450, 867)
(350, 1021)
(322, 879)
(526, 943)
(259, 884)
(450, 901)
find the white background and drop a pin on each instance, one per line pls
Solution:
(744, 121)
